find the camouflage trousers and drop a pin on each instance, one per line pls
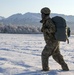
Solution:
(52, 49)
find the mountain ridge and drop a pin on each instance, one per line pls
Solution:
(33, 19)
(30, 17)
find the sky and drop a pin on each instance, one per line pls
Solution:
(9, 7)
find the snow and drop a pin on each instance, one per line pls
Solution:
(20, 54)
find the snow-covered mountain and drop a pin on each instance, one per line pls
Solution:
(31, 18)
(1, 18)
(25, 19)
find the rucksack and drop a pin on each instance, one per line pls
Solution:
(62, 31)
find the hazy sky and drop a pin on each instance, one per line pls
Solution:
(9, 7)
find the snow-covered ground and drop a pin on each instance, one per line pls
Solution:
(20, 54)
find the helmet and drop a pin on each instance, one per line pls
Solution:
(45, 10)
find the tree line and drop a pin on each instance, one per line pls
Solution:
(19, 29)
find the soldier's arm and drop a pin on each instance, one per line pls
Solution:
(50, 27)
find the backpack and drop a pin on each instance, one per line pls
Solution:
(62, 31)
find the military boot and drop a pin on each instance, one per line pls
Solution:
(45, 69)
(65, 67)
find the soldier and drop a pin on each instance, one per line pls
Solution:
(52, 45)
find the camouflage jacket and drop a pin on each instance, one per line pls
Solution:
(48, 29)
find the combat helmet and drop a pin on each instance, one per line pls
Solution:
(45, 10)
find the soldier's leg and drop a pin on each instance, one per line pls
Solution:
(59, 58)
(45, 56)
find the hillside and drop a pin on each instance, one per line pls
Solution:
(25, 19)
(32, 19)
(1, 18)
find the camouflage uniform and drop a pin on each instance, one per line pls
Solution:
(52, 45)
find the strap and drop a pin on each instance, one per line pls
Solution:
(67, 41)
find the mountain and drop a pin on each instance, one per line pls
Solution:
(33, 19)
(1, 18)
(25, 19)
(30, 18)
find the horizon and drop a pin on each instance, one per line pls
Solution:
(33, 12)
